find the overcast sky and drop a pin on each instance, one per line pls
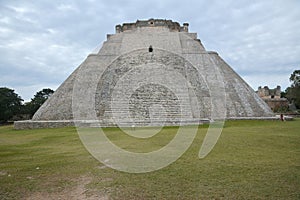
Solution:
(43, 42)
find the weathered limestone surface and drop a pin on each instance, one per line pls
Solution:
(30, 124)
(150, 71)
(273, 98)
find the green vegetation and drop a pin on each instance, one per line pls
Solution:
(12, 108)
(39, 98)
(252, 160)
(10, 104)
(292, 93)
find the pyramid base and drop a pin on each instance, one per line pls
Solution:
(31, 124)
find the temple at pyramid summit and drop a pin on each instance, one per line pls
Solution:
(150, 73)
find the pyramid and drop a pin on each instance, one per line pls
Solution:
(151, 72)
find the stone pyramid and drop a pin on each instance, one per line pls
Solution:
(151, 72)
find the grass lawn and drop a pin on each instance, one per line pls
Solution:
(252, 160)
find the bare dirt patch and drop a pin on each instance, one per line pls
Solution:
(77, 192)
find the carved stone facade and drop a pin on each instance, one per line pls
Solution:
(151, 69)
(169, 24)
(273, 98)
(266, 93)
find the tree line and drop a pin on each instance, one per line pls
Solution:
(292, 93)
(12, 107)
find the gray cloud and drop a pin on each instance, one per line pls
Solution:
(42, 42)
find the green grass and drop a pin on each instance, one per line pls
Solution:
(252, 160)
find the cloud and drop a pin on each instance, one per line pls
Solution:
(67, 7)
(42, 42)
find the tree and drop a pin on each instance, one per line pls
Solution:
(10, 104)
(283, 94)
(293, 92)
(38, 99)
(295, 78)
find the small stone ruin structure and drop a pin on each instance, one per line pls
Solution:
(273, 98)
